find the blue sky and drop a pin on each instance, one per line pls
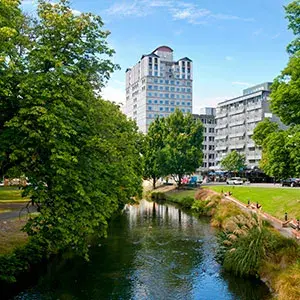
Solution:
(233, 43)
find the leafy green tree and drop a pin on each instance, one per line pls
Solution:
(79, 152)
(153, 158)
(182, 152)
(12, 44)
(233, 162)
(281, 149)
(286, 87)
(262, 130)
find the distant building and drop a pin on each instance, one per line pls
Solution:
(236, 120)
(157, 85)
(207, 116)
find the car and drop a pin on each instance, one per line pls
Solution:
(234, 180)
(293, 182)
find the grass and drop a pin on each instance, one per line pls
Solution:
(11, 194)
(180, 194)
(275, 201)
(11, 235)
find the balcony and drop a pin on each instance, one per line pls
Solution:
(237, 123)
(221, 148)
(221, 137)
(250, 145)
(221, 115)
(236, 134)
(253, 107)
(237, 146)
(236, 111)
(255, 119)
(255, 156)
(221, 126)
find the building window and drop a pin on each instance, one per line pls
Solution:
(183, 110)
(182, 96)
(149, 107)
(161, 108)
(172, 109)
(167, 102)
(167, 95)
(188, 110)
(150, 101)
(166, 108)
(177, 103)
(172, 82)
(211, 130)
(161, 101)
(182, 103)
(155, 101)
(166, 81)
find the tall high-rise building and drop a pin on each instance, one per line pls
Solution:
(157, 85)
(236, 120)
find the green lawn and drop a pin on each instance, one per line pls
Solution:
(11, 194)
(275, 201)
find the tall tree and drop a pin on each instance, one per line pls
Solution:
(285, 96)
(233, 162)
(182, 152)
(79, 152)
(281, 150)
(153, 146)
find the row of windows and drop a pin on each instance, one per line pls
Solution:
(210, 164)
(172, 109)
(162, 75)
(167, 88)
(210, 147)
(167, 95)
(209, 138)
(168, 102)
(166, 81)
(209, 121)
(210, 130)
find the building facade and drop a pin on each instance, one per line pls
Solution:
(157, 85)
(236, 120)
(208, 118)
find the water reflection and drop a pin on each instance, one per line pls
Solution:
(153, 251)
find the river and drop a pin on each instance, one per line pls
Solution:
(153, 251)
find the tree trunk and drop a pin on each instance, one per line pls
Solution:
(179, 180)
(154, 182)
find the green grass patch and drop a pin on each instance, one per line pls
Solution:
(275, 201)
(11, 194)
(179, 195)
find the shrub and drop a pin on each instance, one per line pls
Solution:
(199, 206)
(224, 211)
(187, 202)
(158, 196)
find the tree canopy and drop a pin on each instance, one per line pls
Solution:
(179, 145)
(281, 148)
(233, 162)
(79, 152)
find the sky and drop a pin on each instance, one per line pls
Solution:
(234, 44)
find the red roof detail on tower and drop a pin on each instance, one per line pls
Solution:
(163, 48)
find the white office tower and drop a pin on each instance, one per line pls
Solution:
(157, 85)
(236, 120)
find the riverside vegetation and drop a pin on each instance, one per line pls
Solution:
(248, 246)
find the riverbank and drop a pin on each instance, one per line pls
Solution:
(270, 256)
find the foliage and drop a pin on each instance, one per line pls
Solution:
(293, 15)
(182, 140)
(233, 162)
(78, 151)
(245, 239)
(187, 202)
(153, 160)
(263, 130)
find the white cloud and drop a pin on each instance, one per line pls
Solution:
(114, 94)
(179, 10)
(208, 102)
(241, 83)
(229, 58)
(258, 32)
(76, 12)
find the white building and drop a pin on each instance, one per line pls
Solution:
(207, 116)
(236, 120)
(157, 85)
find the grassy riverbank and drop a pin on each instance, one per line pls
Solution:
(11, 195)
(247, 245)
(274, 201)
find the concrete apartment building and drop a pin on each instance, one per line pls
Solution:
(236, 120)
(157, 85)
(207, 116)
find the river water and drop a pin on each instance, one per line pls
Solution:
(153, 251)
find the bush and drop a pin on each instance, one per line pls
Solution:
(199, 206)
(187, 202)
(158, 196)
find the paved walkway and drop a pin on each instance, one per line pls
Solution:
(276, 223)
(15, 210)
